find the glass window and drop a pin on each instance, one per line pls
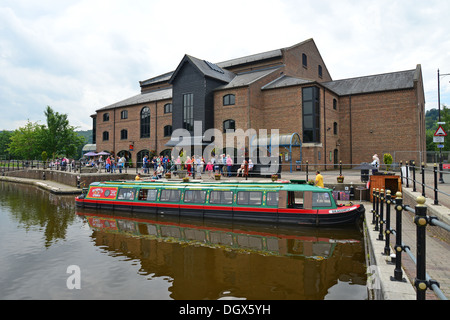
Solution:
(106, 136)
(148, 194)
(194, 196)
(124, 114)
(229, 99)
(321, 199)
(320, 71)
(126, 194)
(145, 122)
(188, 111)
(106, 117)
(304, 60)
(311, 114)
(221, 197)
(168, 108)
(167, 131)
(272, 199)
(124, 134)
(249, 198)
(229, 125)
(170, 195)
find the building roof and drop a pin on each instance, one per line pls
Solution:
(142, 98)
(375, 83)
(286, 81)
(208, 69)
(247, 78)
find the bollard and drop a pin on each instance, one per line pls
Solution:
(377, 210)
(387, 247)
(421, 222)
(398, 273)
(380, 235)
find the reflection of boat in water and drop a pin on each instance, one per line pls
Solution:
(281, 202)
(308, 243)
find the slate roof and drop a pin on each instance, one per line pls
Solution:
(142, 98)
(207, 68)
(286, 81)
(247, 78)
(375, 83)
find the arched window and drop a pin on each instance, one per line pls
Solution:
(145, 122)
(105, 136)
(335, 128)
(229, 125)
(167, 131)
(168, 108)
(229, 100)
(124, 134)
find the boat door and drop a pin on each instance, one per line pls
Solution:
(298, 208)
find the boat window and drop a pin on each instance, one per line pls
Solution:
(148, 194)
(221, 197)
(321, 199)
(249, 198)
(272, 199)
(194, 196)
(170, 195)
(126, 194)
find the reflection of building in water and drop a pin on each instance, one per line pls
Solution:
(252, 264)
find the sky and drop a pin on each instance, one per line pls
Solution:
(80, 56)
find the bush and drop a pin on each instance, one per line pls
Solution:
(387, 159)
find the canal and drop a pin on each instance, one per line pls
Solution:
(120, 255)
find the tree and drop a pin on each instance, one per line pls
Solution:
(57, 138)
(60, 138)
(26, 142)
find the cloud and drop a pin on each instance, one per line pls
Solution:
(79, 56)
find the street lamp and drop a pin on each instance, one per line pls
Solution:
(441, 180)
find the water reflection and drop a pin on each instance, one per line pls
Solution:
(130, 256)
(35, 209)
(220, 260)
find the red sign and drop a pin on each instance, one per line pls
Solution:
(440, 132)
(446, 166)
(102, 193)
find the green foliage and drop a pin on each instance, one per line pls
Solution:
(388, 159)
(57, 138)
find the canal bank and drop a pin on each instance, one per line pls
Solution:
(380, 269)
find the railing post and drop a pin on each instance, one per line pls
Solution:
(380, 235)
(398, 273)
(307, 170)
(407, 174)
(436, 201)
(414, 176)
(377, 209)
(387, 246)
(421, 222)
(423, 179)
(373, 205)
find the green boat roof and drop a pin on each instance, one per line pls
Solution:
(288, 186)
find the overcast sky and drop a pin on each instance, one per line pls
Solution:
(79, 56)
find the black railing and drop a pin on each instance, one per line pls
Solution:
(422, 281)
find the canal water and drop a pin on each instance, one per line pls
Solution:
(52, 250)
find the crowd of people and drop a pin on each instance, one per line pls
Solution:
(158, 166)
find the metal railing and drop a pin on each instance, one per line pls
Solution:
(382, 220)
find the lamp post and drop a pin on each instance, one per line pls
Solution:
(441, 180)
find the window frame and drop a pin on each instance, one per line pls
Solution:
(145, 122)
(229, 100)
(229, 129)
(171, 198)
(188, 111)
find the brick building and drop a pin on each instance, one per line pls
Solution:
(321, 120)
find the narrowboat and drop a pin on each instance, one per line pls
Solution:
(281, 202)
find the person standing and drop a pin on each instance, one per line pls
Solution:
(319, 180)
(375, 163)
